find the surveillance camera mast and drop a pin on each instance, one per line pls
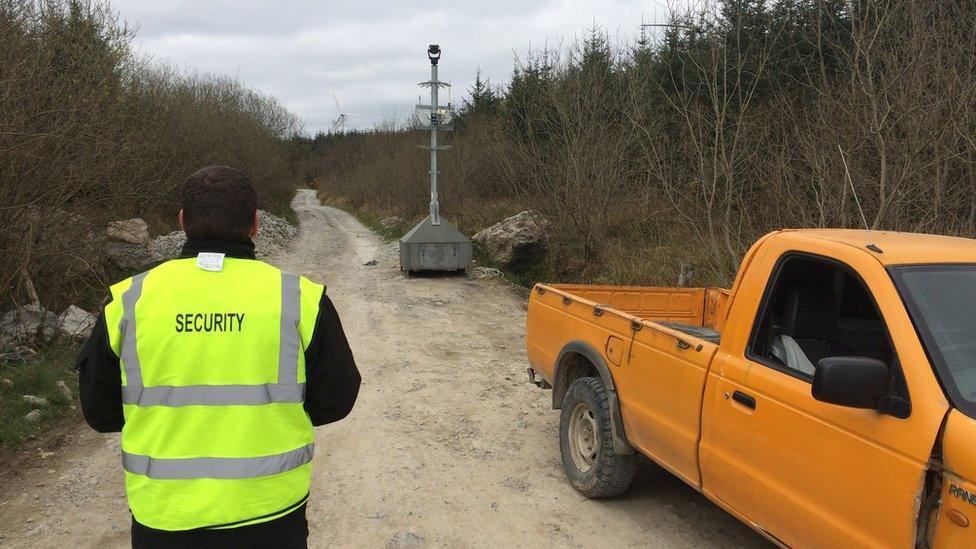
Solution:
(436, 118)
(434, 244)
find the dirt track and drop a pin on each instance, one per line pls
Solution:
(448, 446)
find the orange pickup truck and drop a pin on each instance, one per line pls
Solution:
(827, 400)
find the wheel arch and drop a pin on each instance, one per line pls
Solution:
(579, 359)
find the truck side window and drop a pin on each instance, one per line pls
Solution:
(817, 309)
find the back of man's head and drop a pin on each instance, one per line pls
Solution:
(219, 203)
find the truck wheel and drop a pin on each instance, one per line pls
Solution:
(586, 442)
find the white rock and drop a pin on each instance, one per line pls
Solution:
(133, 231)
(26, 323)
(64, 390)
(33, 415)
(515, 241)
(35, 400)
(127, 245)
(128, 255)
(274, 233)
(76, 322)
(167, 246)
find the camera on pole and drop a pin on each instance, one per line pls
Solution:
(434, 244)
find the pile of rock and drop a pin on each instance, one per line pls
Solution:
(26, 323)
(274, 233)
(517, 241)
(127, 245)
(31, 323)
(167, 246)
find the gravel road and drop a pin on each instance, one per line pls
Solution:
(449, 445)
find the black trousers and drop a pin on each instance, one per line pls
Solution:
(287, 532)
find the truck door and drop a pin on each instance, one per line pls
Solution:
(812, 474)
(955, 524)
(939, 298)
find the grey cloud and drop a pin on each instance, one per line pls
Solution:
(370, 54)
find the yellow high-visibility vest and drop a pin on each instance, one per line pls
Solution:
(213, 385)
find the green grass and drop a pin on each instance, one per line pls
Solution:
(525, 278)
(372, 222)
(38, 377)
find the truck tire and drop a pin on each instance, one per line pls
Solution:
(586, 442)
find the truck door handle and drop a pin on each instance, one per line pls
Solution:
(744, 399)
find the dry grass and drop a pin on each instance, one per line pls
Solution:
(90, 133)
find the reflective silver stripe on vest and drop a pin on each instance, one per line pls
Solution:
(214, 467)
(287, 390)
(214, 395)
(133, 373)
(291, 308)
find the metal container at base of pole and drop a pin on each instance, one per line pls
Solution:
(429, 247)
(434, 244)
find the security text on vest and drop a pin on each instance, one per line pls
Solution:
(209, 322)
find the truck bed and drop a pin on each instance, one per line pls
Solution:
(655, 345)
(702, 332)
(694, 311)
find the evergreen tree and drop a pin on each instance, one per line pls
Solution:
(596, 58)
(811, 36)
(482, 99)
(526, 100)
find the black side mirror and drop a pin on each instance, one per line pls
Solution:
(853, 381)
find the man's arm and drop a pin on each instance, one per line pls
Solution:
(100, 381)
(330, 370)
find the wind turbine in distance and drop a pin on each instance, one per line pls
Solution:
(339, 124)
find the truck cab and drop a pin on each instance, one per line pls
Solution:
(827, 399)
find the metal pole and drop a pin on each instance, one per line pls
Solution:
(435, 214)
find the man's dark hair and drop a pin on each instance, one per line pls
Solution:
(219, 204)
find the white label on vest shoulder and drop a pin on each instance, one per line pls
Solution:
(210, 261)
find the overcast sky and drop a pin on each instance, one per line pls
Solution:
(371, 54)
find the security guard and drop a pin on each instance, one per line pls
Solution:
(215, 367)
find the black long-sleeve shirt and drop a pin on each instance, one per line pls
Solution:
(332, 383)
